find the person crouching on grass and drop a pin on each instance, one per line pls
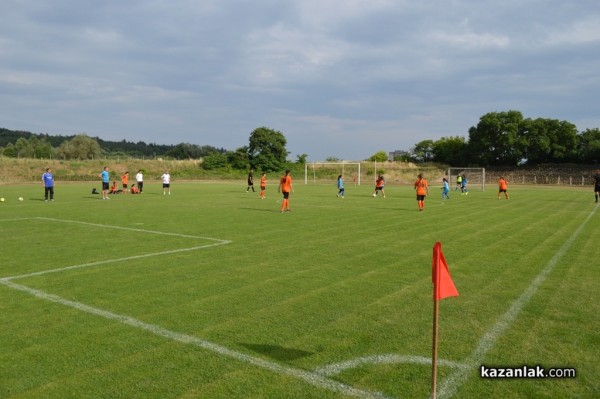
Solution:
(422, 189)
(285, 187)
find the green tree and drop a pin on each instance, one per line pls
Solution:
(451, 150)
(379, 156)
(80, 147)
(23, 148)
(301, 159)
(496, 140)
(423, 151)
(216, 160)
(10, 151)
(266, 150)
(588, 149)
(238, 159)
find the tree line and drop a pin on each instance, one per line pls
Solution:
(508, 139)
(21, 144)
(266, 150)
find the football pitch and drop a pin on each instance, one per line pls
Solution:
(212, 292)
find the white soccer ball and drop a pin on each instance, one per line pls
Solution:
(374, 195)
(1, 199)
(20, 198)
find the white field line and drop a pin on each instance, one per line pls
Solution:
(309, 377)
(102, 262)
(334, 369)
(108, 226)
(459, 376)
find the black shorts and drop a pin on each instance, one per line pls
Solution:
(165, 185)
(501, 191)
(378, 188)
(105, 186)
(420, 198)
(124, 185)
(597, 189)
(286, 194)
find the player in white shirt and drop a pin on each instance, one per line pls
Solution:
(166, 180)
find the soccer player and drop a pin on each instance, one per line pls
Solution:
(445, 189)
(134, 189)
(125, 181)
(251, 181)
(48, 179)
(458, 183)
(379, 185)
(422, 189)
(340, 186)
(105, 176)
(166, 182)
(139, 177)
(263, 185)
(597, 185)
(463, 185)
(502, 187)
(285, 187)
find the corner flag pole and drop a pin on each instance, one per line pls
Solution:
(436, 311)
(443, 287)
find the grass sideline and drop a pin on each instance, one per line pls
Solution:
(334, 281)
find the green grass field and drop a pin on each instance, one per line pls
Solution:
(213, 293)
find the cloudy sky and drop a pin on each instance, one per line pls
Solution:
(341, 78)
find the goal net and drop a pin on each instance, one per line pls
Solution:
(475, 177)
(328, 172)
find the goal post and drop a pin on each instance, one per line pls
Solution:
(475, 176)
(323, 170)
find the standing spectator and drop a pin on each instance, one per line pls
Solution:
(263, 185)
(285, 187)
(125, 182)
(422, 189)
(597, 184)
(445, 189)
(340, 186)
(166, 182)
(250, 181)
(502, 187)
(48, 179)
(105, 176)
(139, 178)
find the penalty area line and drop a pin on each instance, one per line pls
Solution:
(103, 262)
(314, 379)
(455, 380)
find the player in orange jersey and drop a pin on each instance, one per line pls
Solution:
(379, 186)
(502, 187)
(263, 185)
(285, 187)
(125, 181)
(422, 191)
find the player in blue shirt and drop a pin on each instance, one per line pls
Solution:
(48, 179)
(445, 189)
(105, 176)
(340, 186)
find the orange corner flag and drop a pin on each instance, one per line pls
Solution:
(443, 285)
